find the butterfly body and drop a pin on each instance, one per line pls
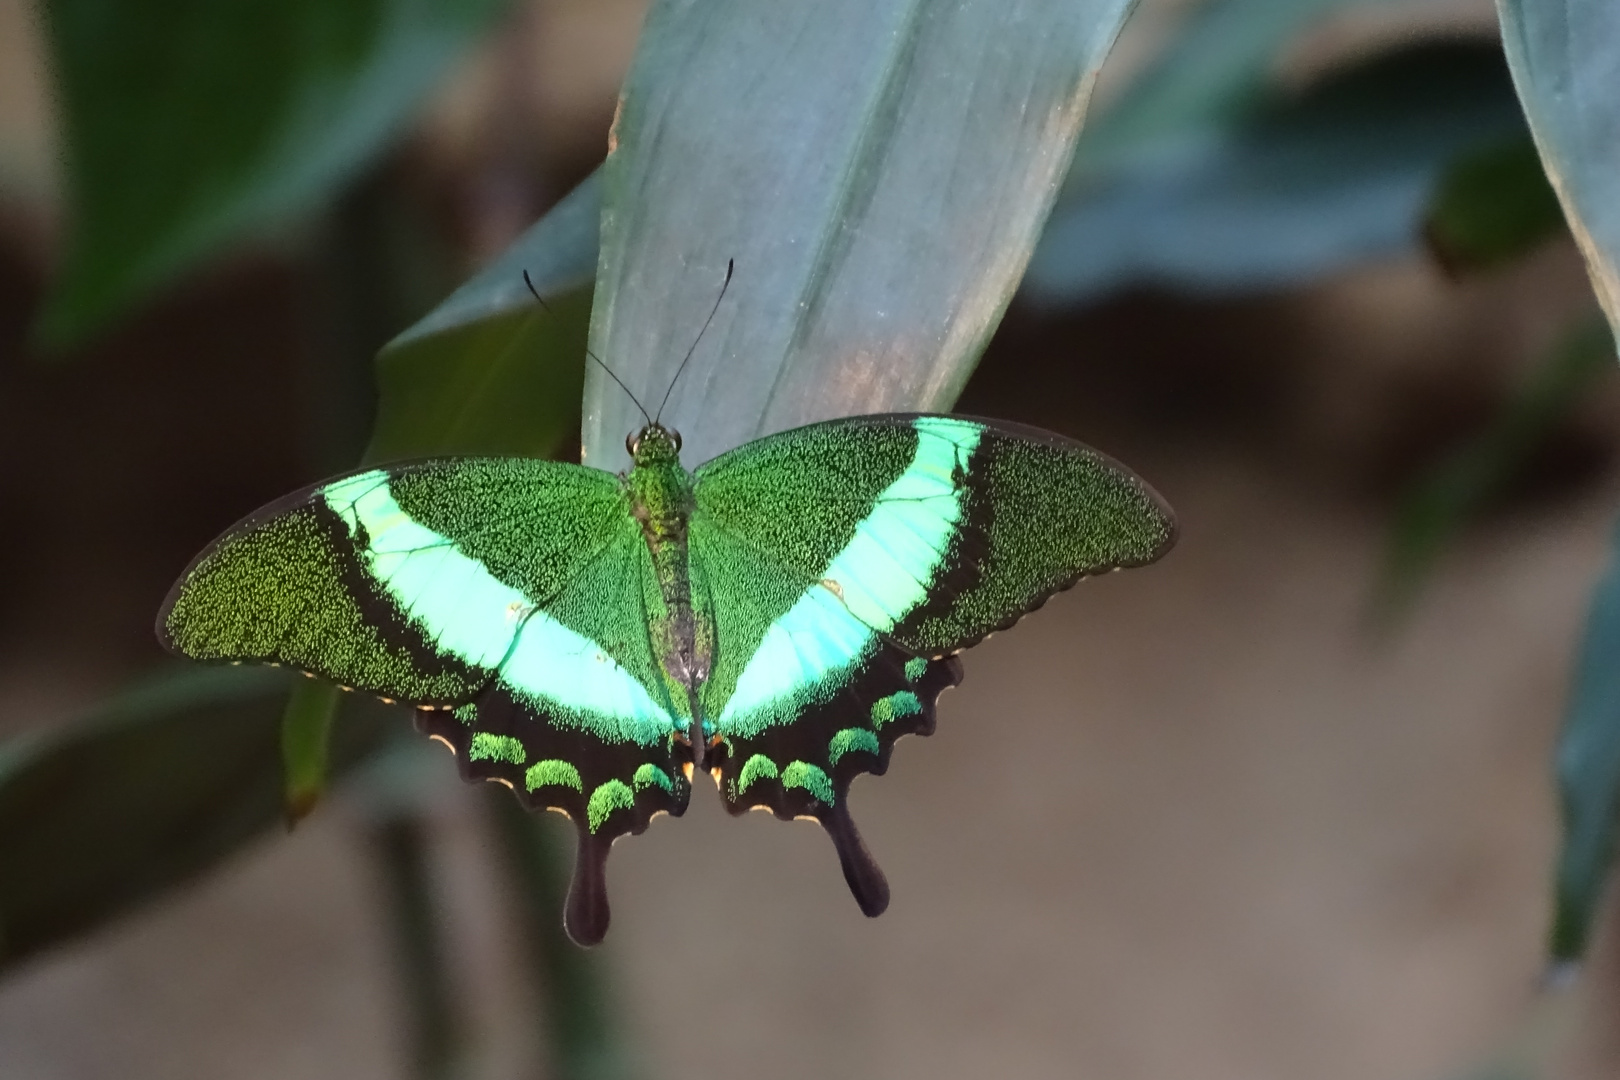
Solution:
(778, 617)
(659, 496)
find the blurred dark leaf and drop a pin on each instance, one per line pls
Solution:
(490, 370)
(1445, 498)
(1218, 68)
(879, 170)
(1491, 206)
(1340, 174)
(1563, 57)
(188, 122)
(160, 784)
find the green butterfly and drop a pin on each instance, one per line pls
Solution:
(778, 618)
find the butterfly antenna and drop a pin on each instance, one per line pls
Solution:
(730, 265)
(551, 311)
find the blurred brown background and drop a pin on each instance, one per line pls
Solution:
(1195, 822)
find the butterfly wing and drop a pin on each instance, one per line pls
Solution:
(504, 598)
(845, 563)
(803, 696)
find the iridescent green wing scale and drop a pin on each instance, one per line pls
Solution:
(846, 563)
(506, 599)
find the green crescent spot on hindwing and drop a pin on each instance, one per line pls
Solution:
(802, 774)
(650, 775)
(849, 740)
(757, 767)
(792, 607)
(487, 747)
(550, 773)
(611, 796)
(898, 704)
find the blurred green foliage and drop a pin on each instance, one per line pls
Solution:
(478, 388)
(306, 732)
(1492, 206)
(188, 122)
(1589, 774)
(153, 788)
(1465, 482)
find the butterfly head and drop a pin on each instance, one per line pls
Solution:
(654, 445)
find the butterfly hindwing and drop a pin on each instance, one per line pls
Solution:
(804, 769)
(505, 598)
(607, 788)
(848, 561)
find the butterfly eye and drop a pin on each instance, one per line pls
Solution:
(675, 437)
(631, 442)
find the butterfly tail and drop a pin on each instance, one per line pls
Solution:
(861, 871)
(586, 915)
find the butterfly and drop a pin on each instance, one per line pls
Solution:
(777, 617)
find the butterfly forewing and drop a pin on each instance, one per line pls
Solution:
(504, 597)
(934, 530)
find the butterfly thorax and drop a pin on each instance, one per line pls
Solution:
(660, 489)
(660, 494)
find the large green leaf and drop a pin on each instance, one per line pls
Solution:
(1565, 56)
(157, 786)
(879, 170)
(189, 121)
